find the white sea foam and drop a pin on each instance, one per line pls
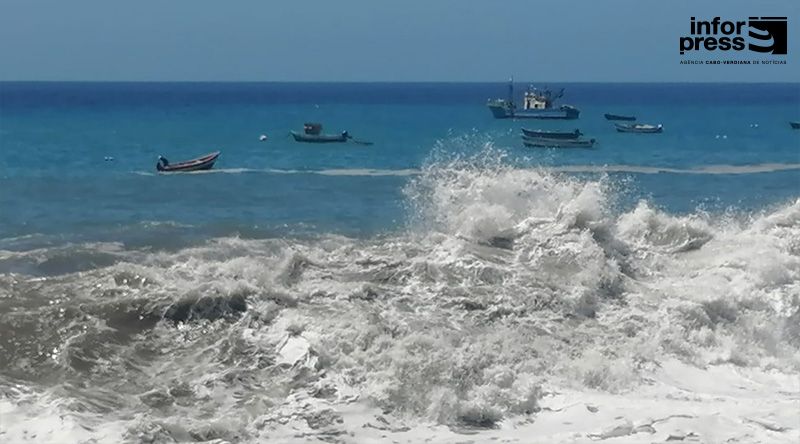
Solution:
(515, 294)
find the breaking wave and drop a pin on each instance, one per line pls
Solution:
(509, 284)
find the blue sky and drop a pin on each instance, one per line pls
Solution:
(370, 40)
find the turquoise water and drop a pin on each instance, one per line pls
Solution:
(444, 274)
(55, 137)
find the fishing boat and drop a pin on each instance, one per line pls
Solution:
(320, 138)
(537, 104)
(552, 134)
(538, 142)
(639, 128)
(199, 164)
(795, 125)
(618, 117)
(312, 133)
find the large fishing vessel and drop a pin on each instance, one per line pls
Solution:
(536, 104)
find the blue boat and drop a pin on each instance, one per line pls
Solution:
(619, 117)
(546, 134)
(537, 104)
(312, 133)
(320, 138)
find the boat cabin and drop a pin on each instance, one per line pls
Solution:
(533, 100)
(313, 129)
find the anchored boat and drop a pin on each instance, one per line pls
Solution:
(320, 138)
(639, 128)
(552, 134)
(199, 164)
(618, 117)
(312, 133)
(795, 125)
(538, 142)
(537, 104)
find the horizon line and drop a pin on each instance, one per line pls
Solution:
(408, 81)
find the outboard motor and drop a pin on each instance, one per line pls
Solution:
(345, 134)
(162, 163)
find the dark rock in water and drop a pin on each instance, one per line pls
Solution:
(206, 307)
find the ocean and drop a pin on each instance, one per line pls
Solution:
(444, 281)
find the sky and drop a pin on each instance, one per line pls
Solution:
(372, 40)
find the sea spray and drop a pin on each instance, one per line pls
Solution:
(509, 283)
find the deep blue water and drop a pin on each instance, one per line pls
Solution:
(57, 187)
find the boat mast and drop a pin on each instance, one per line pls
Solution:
(511, 90)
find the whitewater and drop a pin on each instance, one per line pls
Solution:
(518, 305)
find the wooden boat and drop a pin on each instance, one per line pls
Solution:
(618, 117)
(795, 125)
(539, 142)
(639, 128)
(199, 164)
(312, 133)
(552, 134)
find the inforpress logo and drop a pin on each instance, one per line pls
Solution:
(765, 29)
(764, 35)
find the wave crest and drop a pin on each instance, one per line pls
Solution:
(510, 283)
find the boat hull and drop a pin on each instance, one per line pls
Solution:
(573, 135)
(639, 129)
(199, 164)
(557, 143)
(618, 117)
(501, 111)
(318, 138)
(795, 125)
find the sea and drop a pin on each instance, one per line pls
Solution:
(443, 274)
